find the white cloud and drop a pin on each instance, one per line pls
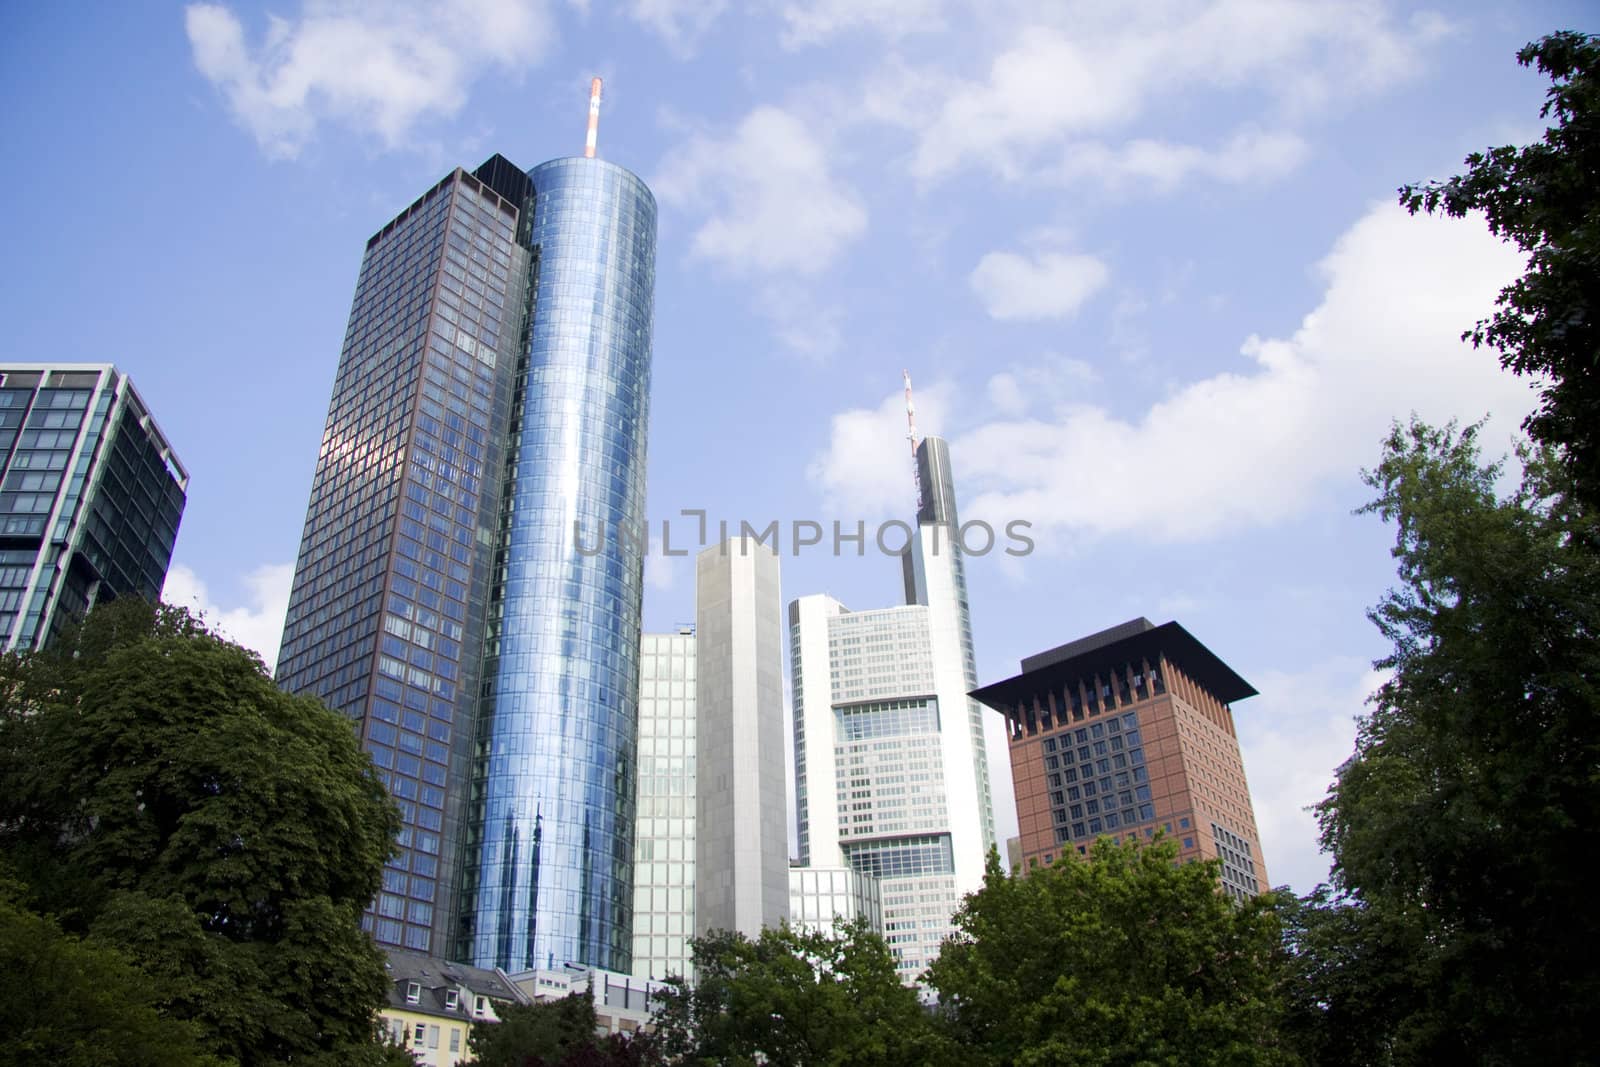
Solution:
(258, 624)
(660, 572)
(1251, 155)
(815, 21)
(679, 23)
(1293, 736)
(1077, 68)
(1257, 443)
(773, 204)
(1047, 285)
(806, 325)
(376, 66)
(1055, 381)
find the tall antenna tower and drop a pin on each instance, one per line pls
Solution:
(911, 435)
(594, 119)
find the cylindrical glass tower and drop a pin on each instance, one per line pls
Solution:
(554, 867)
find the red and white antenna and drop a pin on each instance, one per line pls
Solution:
(911, 435)
(594, 119)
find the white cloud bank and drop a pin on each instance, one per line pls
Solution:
(1048, 285)
(1293, 737)
(1249, 156)
(1250, 445)
(679, 23)
(257, 625)
(374, 66)
(1071, 71)
(771, 200)
(817, 21)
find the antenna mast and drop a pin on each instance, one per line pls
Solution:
(911, 435)
(594, 119)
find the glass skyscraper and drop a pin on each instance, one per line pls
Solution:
(91, 495)
(461, 591)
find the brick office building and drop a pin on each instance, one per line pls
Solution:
(1126, 733)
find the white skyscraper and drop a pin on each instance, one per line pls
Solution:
(711, 848)
(890, 771)
(741, 831)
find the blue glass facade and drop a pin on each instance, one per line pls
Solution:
(553, 789)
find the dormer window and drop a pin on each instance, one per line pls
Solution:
(480, 1006)
(452, 999)
(413, 992)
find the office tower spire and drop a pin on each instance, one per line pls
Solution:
(461, 592)
(594, 119)
(911, 436)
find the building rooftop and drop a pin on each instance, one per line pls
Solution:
(435, 977)
(1110, 648)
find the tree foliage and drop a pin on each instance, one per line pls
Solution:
(1468, 815)
(1546, 198)
(799, 997)
(1123, 957)
(160, 794)
(76, 1003)
(555, 1033)
(1351, 974)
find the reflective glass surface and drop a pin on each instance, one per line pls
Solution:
(386, 615)
(553, 879)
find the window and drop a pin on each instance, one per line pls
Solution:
(433, 1037)
(420, 1035)
(452, 999)
(480, 1006)
(413, 992)
(455, 1039)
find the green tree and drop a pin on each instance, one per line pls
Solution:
(553, 1033)
(1351, 974)
(1546, 197)
(1468, 815)
(796, 997)
(1123, 957)
(158, 792)
(75, 1003)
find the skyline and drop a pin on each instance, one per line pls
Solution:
(1152, 287)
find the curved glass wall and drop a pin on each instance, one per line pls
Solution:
(553, 878)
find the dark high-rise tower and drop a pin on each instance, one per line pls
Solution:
(460, 590)
(91, 495)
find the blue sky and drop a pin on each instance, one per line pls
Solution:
(1142, 262)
